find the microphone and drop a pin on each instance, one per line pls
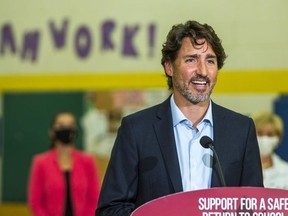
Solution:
(207, 142)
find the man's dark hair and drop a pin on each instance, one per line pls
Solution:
(194, 30)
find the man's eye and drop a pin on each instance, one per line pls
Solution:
(211, 61)
(190, 60)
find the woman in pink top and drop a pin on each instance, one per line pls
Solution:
(63, 181)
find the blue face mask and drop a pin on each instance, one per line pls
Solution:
(65, 135)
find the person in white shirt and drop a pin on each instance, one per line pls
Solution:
(269, 128)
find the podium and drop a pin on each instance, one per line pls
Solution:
(222, 201)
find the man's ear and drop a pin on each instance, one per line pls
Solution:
(168, 68)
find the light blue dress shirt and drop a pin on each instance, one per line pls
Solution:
(195, 161)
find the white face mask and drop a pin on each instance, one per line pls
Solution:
(267, 144)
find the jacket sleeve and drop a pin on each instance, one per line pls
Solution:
(119, 188)
(252, 169)
(35, 189)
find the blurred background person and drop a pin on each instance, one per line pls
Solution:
(63, 180)
(269, 128)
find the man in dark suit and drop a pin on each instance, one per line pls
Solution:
(157, 150)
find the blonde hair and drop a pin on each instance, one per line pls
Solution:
(264, 118)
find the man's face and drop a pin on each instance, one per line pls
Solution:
(194, 72)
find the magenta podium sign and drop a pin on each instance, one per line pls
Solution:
(224, 201)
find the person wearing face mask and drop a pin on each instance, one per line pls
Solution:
(63, 180)
(269, 128)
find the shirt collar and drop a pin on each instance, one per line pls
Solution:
(178, 116)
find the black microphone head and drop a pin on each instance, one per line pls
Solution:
(206, 141)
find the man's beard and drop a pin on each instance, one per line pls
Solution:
(195, 98)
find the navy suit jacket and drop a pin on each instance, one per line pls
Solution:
(144, 163)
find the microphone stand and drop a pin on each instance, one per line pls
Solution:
(223, 183)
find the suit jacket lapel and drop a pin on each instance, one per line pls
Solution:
(165, 135)
(219, 140)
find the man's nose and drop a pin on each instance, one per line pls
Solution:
(202, 69)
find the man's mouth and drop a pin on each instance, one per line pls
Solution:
(199, 82)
